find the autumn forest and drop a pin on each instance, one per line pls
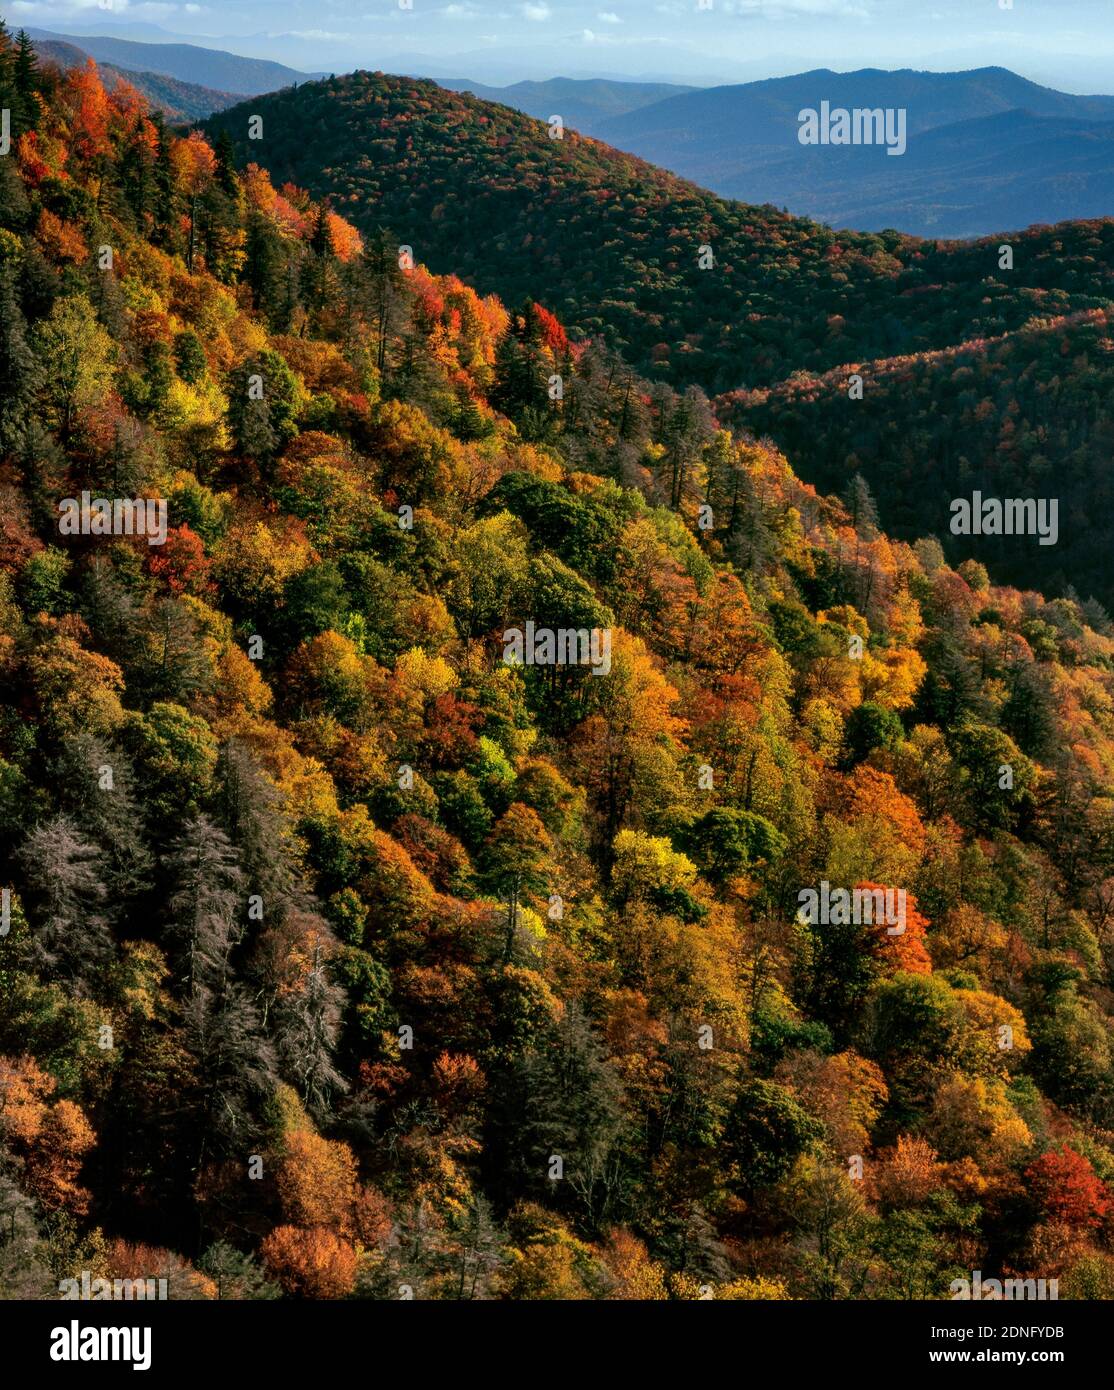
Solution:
(345, 957)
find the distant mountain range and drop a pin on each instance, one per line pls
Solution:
(581, 103)
(185, 62)
(987, 150)
(178, 101)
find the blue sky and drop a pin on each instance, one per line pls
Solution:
(1065, 43)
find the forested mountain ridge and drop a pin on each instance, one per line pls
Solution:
(484, 192)
(344, 955)
(1027, 414)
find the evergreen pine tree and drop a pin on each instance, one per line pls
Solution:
(264, 269)
(25, 82)
(225, 173)
(163, 179)
(19, 371)
(7, 72)
(66, 901)
(862, 506)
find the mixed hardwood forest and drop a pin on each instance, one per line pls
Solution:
(345, 959)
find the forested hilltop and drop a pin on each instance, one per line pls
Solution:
(343, 958)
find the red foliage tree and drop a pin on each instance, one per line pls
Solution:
(182, 562)
(1066, 1188)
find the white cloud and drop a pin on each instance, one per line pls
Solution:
(74, 6)
(785, 9)
(58, 12)
(618, 41)
(537, 12)
(608, 17)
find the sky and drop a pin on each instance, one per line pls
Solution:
(1063, 43)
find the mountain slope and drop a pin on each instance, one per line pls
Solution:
(203, 67)
(305, 867)
(1026, 415)
(617, 243)
(986, 149)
